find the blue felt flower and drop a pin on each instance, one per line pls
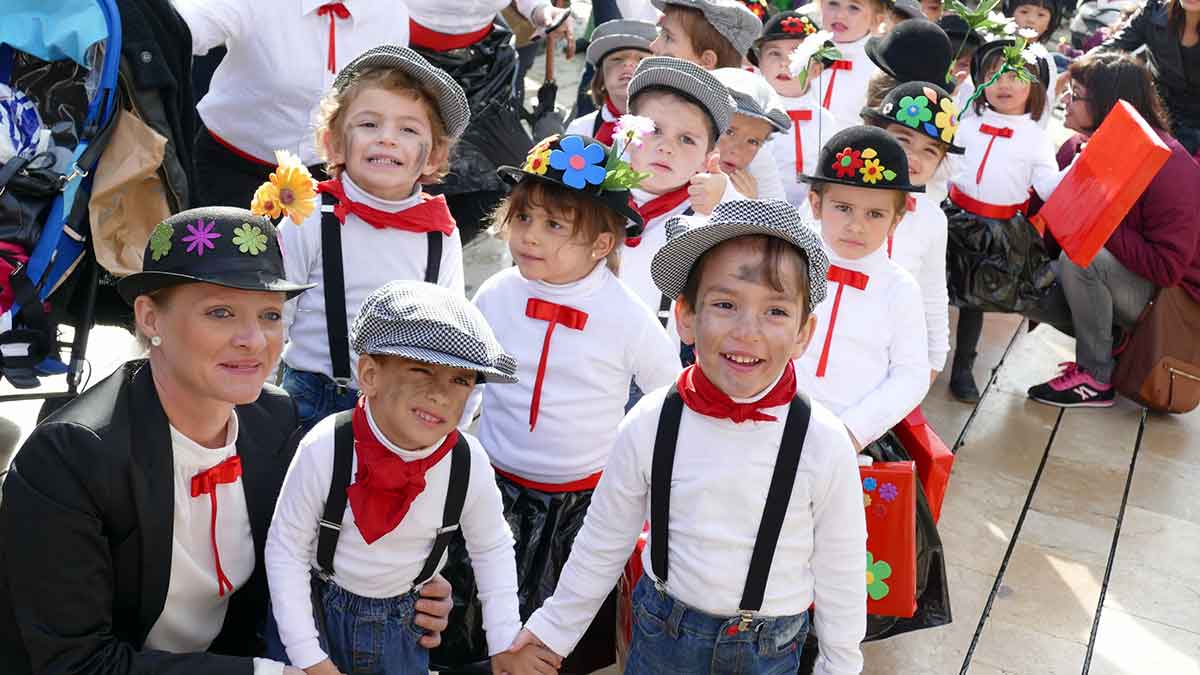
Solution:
(869, 484)
(580, 165)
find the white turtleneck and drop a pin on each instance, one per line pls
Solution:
(371, 257)
(813, 135)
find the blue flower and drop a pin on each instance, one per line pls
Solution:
(868, 484)
(579, 165)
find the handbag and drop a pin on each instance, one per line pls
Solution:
(1159, 367)
(26, 193)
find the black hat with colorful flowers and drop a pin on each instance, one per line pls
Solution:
(866, 157)
(922, 106)
(787, 26)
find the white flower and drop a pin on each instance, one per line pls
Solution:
(631, 128)
(1033, 52)
(1010, 28)
(998, 18)
(804, 52)
(1027, 33)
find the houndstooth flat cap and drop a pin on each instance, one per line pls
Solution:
(451, 101)
(690, 238)
(431, 324)
(618, 34)
(687, 78)
(732, 19)
(754, 97)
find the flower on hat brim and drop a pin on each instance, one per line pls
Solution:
(160, 240)
(249, 239)
(946, 120)
(847, 163)
(581, 165)
(913, 110)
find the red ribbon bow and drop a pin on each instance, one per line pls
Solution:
(703, 397)
(835, 67)
(660, 205)
(842, 277)
(206, 482)
(605, 133)
(430, 215)
(335, 10)
(798, 116)
(555, 314)
(994, 132)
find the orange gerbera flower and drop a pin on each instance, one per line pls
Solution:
(291, 191)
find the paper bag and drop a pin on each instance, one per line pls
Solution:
(889, 498)
(933, 457)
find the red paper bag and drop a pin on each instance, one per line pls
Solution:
(625, 585)
(890, 500)
(933, 458)
(1113, 170)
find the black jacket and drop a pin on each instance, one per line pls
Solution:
(86, 534)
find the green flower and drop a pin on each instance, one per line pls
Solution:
(160, 240)
(249, 239)
(876, 573)
(914, 110)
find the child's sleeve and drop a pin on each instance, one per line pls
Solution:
(839, 557)
(935, 294)
(656, 356)
(526, 7)
(451, 273)
(766, 174)
(214, 22)
(1045, 174)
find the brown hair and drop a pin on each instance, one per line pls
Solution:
(335, 104)
(900, 196)
(1176, 17)
(705, 37)
(1035, 105)
(776, 252)
(878, 87)
(1111, 76)
(588, 218)
(597, 89)
(656, 91)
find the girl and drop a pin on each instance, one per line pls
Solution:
(851, 22)
(996, 260)
(617, 47)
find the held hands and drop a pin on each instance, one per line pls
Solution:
(325, 667)
(527, 654)
(433, 610)
(706, 189)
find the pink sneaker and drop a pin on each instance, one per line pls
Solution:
(1074, 388)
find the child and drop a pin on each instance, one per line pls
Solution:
(869, 365)
(386, 127)
(726, 590)
(921, 117)
(811, 124)
(963, 41)
(1040, 18)
(914, 51)
(758, 118)
(616, 48)
(852, 22)
(1008, 154)
(709, 33)
(416, 479)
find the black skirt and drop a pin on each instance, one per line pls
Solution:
(995, 265)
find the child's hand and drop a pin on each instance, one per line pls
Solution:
(933, 376)
(526, 638)
(325, 667)
(744, 183)
(529, 660)
(706, 189)
(433, 610)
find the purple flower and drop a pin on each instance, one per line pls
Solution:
(888, 491)
(201, 235)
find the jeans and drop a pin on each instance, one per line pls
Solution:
(1101, 294)
(316, 396)
(670, 637)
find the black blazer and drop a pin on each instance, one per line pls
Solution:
(86, 534)
(1150, 26)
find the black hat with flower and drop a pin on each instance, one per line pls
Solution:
(866, 157)
(594, 169)
(787, 26)
(922, 106)
(1017, 54)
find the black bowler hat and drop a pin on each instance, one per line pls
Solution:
(981, 55)
(216, 245)
(915, 50)
(922, 106)
(787, 26)
(582, 163)
(866, 157)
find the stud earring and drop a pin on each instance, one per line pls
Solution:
(155, 341)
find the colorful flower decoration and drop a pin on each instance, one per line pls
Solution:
(266, 201)
(537, 162)
(872, 170)
(947, 120)
(869, 484)
(914, 110)
(847, 163)
(201, 236)
(876, 573)
(291, 190)
(160, 240)
(249, 239)
(795, 24)
(888, 491)
(866, 500)
(631, 128)
(757, 7)
(580, 165)
(880, 510)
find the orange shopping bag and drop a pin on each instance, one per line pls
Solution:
(934, 459)
(889, 497)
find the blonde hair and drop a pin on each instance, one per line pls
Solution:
(588, 218)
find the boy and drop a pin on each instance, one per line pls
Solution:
(709, 33)
(852, 22)
(746, 281)
(616, 48)
(421, 351)
(386, 128)
(759, 116)
(869, 365)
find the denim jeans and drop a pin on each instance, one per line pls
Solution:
(1101, 295)
(670, 637)
(316, 396)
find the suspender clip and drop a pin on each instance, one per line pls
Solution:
(747, 618)
(448, 528)
(343, 384)
(332, 526)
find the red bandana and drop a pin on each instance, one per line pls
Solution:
(430, 215)
(660, 205)
(384, 484)
(703, 397)
(605, 133)
(206, 482)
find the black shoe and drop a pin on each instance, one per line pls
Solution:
(1074, 388)
(962, 380)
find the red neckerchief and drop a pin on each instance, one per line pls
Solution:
(662, 204)
(384, 484)
(605, 133)
(842, 277)
(206, 482)
(703, 397)
(430, 215)
(994, 132)
(554, 314)
(335, 10)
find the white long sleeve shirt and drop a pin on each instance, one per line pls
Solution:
(814, 133)
(586, 382)
(635, 261)
(849, 87)
(371, 257)
(714, 524)
(919, 246)
(387, 567)
(283, 49)
(1014, 165)
(878, 364)
(464, 16)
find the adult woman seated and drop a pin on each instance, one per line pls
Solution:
(115, 556)
(1155, 246)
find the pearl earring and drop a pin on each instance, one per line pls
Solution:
(156, 341)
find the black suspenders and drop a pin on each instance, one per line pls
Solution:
(778, 495)
(598, 123)
(664, 303)
(335, 286)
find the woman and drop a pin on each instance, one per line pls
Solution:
(1155, 246)
(116, 557)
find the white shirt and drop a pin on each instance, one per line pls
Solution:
(265, 93)
(465, 16)
(919, 246)
(878, 365)
(586, 125)
(849, 86)
(371, 257)
(638, 9)
(1014, 165)
(387, 567)
(714, 524)
(586, 383)
(814, 134)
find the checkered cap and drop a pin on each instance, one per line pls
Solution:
(688, 78)
(690, 238)
(754, 97)
(430, 324)
(733, 20)
(618, 34)
(451, 100)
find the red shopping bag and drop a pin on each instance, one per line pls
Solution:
(932, 456)
(1113, 170)
(890, 501)
(625, 585)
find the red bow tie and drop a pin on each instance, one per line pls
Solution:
(660, 205)
(842, 277)
(799, 116)
(384, 484)
(206, 482)
(430, 215)
(994, 132)
(335, 10)
(555, 315)
(605, 133)
(835, 67)
(703, 397)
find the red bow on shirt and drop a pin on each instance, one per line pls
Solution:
(842, 277)
(798, 116)
(335, 10)
(384, 484)
(206, 482)
(555, 315)
(430, 215)
(660, 205)
(703, 397)
(605, 133)
(994, 132)
(835, 67)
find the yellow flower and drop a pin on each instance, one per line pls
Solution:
(871, 171)
(297, 189)
(266, 201)
(947, 120)
(866, 503)
(537, 162)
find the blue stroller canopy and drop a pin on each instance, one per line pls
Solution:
(53, 30)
